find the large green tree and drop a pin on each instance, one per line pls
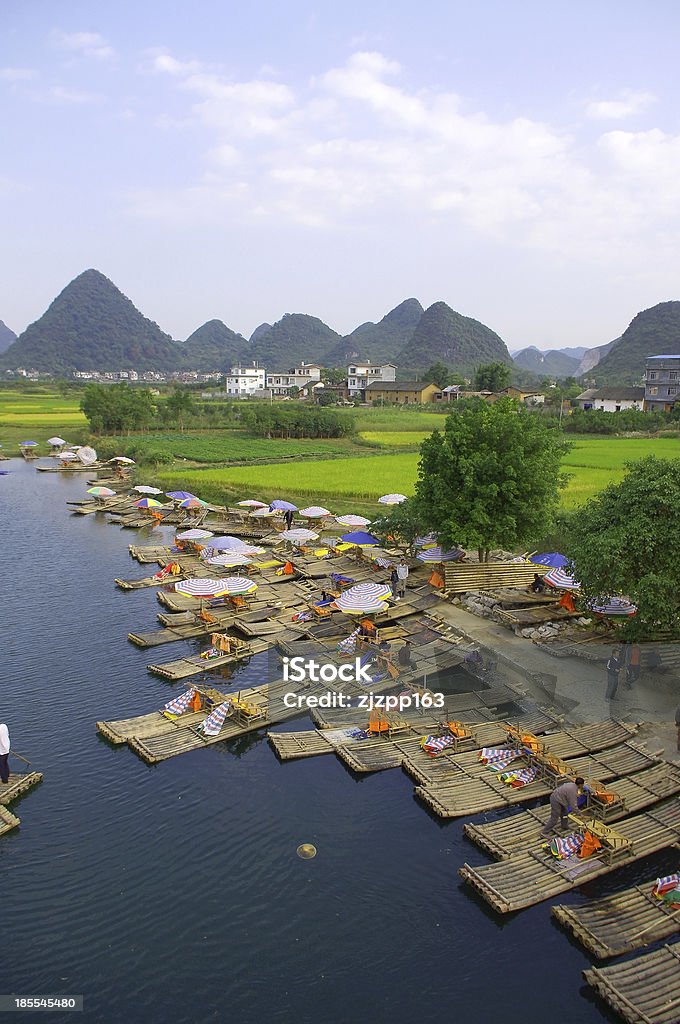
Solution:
(115, 408)
(625, 541)
(491, 479)
(401, 525)
(492, 377)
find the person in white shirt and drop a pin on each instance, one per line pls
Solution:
(402, 576)
(4, 754)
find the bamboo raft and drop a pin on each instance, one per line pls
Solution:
(8, 821)
(471, 789)
(535, 615)
(460, 577)
(518, 832)
(645, 990)
(622, 923)
(195, 664)
(17, 785)
(531, 877)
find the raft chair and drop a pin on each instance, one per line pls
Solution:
(667, 890)
(180, 705)
(519, 778)
(212, 725)
(436, 745)
(612, 845)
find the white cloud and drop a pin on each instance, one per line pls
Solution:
(84, 44)
(357, 146)
(629, 103)
(16, 74)
(60, 96)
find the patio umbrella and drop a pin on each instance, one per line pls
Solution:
(87, 455)
(210, 551)
(550, 558)
(615, 607)
(359, 605)
(67, 456)
(194, 535)
(193, 503)
(235, 586)
(148, 503)
(201, 588)
(56, 442)
(263, 513)
(299, 535)
(561, 580)
(228, 559)
(28, 444)
(101, 492)
(360, 538)
(437, 555)
(280, 505)
(229, 544)
(179, 495)
(315, 512)
(143, 489)
(251, 503)
(370, 591)
(352, 520)
(392, 499)
(123, 459)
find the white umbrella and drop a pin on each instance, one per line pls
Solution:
(315, 512)
(203, 588)
(56, 441)
(143, 489)
(352, 520)
(392, 499)
(194, 535)
(123, 459)
(437, 555)
(87, 455)
(263, 513)
(235, 586)
(299, 535)
(67, 456)
(251, 503)
(561, 579)
(228, 559)
(360, 605)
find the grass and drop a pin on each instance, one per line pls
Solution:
(592, 465)
(36, 417)
(406, 418)
(394, 438)
(221, 446)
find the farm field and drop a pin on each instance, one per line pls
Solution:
(37, 417)
(591, 465)
(396, 438)
(220, 446)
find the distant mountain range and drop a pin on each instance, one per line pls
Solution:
(91, 325)
(6, 336)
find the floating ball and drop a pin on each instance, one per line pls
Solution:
(306, 851)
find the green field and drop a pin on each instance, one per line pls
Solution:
(219, 446)
(395, 438)
(36, 417)
(591, 465)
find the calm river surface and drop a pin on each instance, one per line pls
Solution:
(173, 893)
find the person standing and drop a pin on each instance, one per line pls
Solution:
(632, 664)
(4, 754)
(563, 799)
(394, 580)
(288, 517)
(402, 576)
(613, 669)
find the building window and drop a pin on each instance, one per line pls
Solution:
(652, 374)
(352, 369)
(672, 391)
(653, 391)
(673, 375)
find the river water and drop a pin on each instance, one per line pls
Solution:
(173, 892)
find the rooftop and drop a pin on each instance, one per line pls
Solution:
(612, 394)
(404, 385)
(675, 355)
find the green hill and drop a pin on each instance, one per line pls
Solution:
(378, 342)
(653, 332)
(214, 346)
(444, 336)
(293, 339)
(91, 325)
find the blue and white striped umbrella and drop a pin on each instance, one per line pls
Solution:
(229, 558)
(392, 499)
(197, 587)
(374, 591)
(359, 605)
(194, 535)
(352, 520)
(437, 555)
(615, 607)
(561, 579)
(178, 705)
(315, 512)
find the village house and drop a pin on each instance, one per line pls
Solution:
(360, 375)
(243, 381)
(403, 393)
(305, 377)
(611, 399)
(662, 380)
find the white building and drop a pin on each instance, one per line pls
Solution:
(360, 375)
(304, 377)
(244, 380)
(611, 399)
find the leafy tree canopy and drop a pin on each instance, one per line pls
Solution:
(491, 479)
(625, 542)
(492, 377)
(117, 408)
(402, 524)
(440, 374)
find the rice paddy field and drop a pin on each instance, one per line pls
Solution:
(221, 446)
(38, 416)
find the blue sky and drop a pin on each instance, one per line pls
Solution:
(518, 161)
